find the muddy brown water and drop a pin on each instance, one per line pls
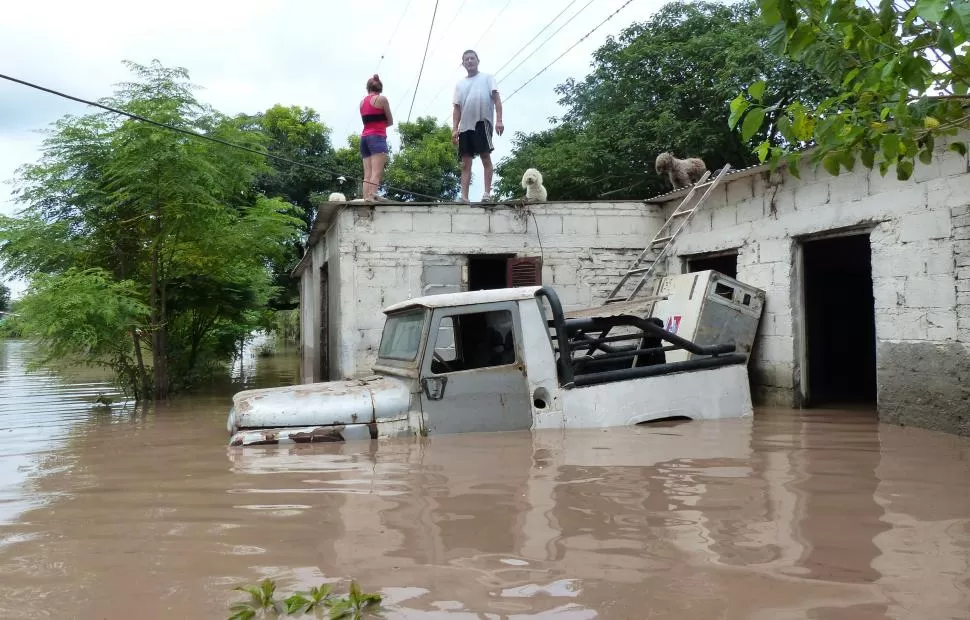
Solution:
(822, 514)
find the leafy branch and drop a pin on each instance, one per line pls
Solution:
(892, 106)
(263, 602)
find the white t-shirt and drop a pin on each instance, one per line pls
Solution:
(474, 95)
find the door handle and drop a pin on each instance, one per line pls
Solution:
(434, 387)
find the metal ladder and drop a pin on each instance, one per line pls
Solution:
(645, 265)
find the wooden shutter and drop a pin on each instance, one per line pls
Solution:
(523, 271)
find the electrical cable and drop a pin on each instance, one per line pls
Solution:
(495, 19)
(544, 28)
(542, 253)
(549, 38)
(388, 45)
(432, 101)
(585, 36)
(423, 58)
(203, 136)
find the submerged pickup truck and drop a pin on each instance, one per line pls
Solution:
(502, 360)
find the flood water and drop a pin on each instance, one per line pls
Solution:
(822, 514)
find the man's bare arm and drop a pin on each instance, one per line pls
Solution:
(455, 119)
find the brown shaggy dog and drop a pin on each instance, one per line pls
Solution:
(682, 172)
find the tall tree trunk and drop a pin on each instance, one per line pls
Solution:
(159, 339)
(144, 389)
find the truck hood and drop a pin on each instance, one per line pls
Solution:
(352, 401)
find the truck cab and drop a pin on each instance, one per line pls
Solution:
(503, 360)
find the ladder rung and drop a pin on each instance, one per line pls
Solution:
(684, 212)
(639, 270)
(661, 240)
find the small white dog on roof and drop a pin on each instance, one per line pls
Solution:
(532, 184)
(336, 197)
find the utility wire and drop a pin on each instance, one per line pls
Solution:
(549, 38)
(497, 15)
(435, 49)
(585, 36)
(544, 28)
(386, 47)
(423, 58)
(203, 136)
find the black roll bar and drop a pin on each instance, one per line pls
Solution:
(567, 327)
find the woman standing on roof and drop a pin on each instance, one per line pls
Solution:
(375, 112)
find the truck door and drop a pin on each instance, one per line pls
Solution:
(472, 374)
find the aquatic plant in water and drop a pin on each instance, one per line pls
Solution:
(263, 603)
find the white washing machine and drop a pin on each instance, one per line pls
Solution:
(708, 307)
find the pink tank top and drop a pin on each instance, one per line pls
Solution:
(375, 120)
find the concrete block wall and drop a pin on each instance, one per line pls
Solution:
(920, 240)
(383, 252)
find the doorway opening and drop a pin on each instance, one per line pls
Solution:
(840, 322)
(324, 373)
(723, 262)
(487, 271)
(491, 271)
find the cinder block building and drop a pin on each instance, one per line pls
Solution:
(867, 281)
(364, 257)
(867, 278)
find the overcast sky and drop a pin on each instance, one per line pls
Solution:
(248, 56)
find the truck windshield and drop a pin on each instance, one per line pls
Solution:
(402, 336)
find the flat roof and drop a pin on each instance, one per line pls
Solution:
(467, 298)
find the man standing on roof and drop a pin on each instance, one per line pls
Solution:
(476, 102)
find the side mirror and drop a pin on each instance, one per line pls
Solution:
(434, 387)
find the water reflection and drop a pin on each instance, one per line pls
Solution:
(786, 515)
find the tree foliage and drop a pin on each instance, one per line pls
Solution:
(426, 163)
(348, 163)
(301, 141)
(175, 219)
(662, 85)
(4, 297)
(901, 72)
(85, 315)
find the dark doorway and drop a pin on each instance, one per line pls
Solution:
(324, 323)
(723, 263)
(487, 271)
(840, 324)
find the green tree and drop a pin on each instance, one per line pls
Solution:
(350, 166)
(297, 135)
(426, 163)
(901, 72)
(172, 220)
(662, 85)
(4, 297)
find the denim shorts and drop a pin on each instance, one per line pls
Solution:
(372, 145)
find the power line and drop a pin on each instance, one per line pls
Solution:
(497, 15)
(544, 28)
(423, 58)
(549, 38)
(435, 50)
(386, 47)
(585, 36)
(199, 135)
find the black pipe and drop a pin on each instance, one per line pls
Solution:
(631, 353)
(656, 370)
(649, 326)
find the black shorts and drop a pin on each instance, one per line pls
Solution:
(476, 141)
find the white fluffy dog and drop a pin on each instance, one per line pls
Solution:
(337, 197)
(532, 184)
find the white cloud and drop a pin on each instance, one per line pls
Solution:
(249, 55)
